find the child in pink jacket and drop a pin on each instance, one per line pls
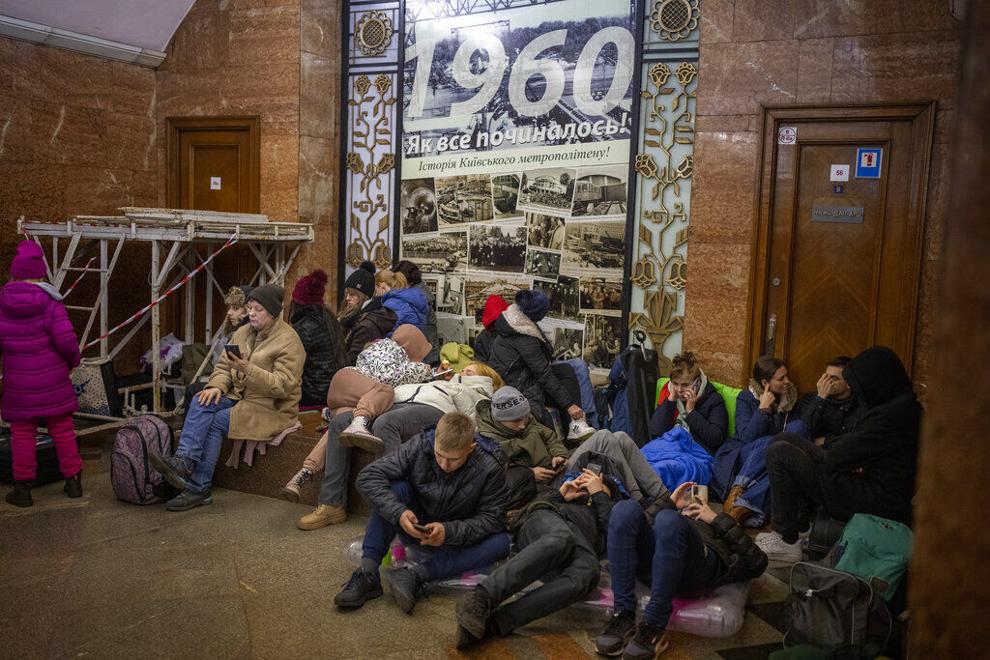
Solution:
(39, 348)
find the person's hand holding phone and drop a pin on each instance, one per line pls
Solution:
(699, 511)
(571, 490)
(557, 461)
(542, 474)
(209, 396)
(436, 534)
(767, 398)
(682, 495)
(592, 481)
(409, 524)
(236, 361)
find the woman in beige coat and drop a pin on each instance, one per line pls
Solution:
(252, 395)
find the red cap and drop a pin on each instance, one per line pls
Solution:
(494, 307)
(309, 290)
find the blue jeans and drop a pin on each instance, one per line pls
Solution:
(753, 475)
(202, 436)
(446, 560)
(670, 557)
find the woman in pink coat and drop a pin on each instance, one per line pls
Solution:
(39, 348)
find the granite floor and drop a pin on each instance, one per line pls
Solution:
(95, 577)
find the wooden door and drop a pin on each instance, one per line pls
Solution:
(840, 228)
(214, 164)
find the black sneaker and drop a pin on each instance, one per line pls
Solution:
(73, 485)
(648, 643)
(616, 633)
(406, 588)
(188, 500)
(473, 611)
(175, 469)
(362, 587)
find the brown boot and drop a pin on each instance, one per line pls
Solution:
(323, 515)
(739, 513)
(734, 493)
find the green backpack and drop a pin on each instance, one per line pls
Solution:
(876, 550)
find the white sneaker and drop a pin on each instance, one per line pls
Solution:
(358, 435)
(773, 545)
(579, 430)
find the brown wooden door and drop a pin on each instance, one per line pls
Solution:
(837, 264)
(214, 164)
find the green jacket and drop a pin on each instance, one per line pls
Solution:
(534, 446)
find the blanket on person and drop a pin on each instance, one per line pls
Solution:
(677, 458)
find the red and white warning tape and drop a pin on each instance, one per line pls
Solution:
(154, 303)
(78, 279)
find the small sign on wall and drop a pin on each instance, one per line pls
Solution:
(787, 135)
(852, 215)
(214, 183)
(839, 173)
(868, 161)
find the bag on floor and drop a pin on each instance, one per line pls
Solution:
(877, 551)
(47, 460)
(133, 478)
(632, 386)
(831, 608)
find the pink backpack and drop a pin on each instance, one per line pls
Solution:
(131, 474)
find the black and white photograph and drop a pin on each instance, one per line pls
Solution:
(549, 190)
(595, 246)
(505, 195)
(463, 199)
(543, 264)
(497, 248)
(545, 231)
(476, 292)
(599, 294)
(437, 253)
(419, 206)
(567, 343)
(451, 297)
(429, 110)
(563, 296)
(600, 191)
(603, 340)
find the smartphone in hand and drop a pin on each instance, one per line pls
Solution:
(422, 529)
(232, 349)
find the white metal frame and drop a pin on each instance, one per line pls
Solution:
(186, 238)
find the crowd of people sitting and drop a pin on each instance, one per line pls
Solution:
(498, 455)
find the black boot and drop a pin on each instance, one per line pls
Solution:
(21, 495)
(73, 485)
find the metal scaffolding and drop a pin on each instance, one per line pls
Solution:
(186, 239)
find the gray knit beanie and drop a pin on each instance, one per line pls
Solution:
(509, 404)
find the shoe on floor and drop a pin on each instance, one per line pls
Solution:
(359, 589)
(616, 633)
(579, 430)
(290, 490)
(357, 435)
(776, 549)
(648, 643)
(473, 611)
(189, 500)
(73, 485)
(20, 495)
(321, 516)
(175, 469)
(406, 588)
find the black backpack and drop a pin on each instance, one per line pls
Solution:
(631, 394)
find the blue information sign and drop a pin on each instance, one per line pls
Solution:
(868, 160)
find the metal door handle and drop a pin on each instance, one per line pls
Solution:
(771, 327)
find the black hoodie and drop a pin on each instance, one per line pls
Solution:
(872, 468)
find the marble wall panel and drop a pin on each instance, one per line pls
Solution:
(736, 78)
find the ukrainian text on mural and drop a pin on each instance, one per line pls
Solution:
(515, 155)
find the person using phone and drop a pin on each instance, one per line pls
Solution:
(764, 409)
(833, 410)
(686, 546)
(560, 537)
(688, 400)
(253, 397)
(442, 480)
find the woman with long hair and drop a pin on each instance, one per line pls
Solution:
(321, 335)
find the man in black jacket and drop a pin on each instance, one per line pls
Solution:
(442, 490)
(834, 410)
(560, 537)
(870, 469)
(688, 547)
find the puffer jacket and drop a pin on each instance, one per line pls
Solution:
(741, 558)
(410, 306)
(470, 501)
(321, 363)
(431, 320)
(522, 355)
(534, 446)
(483, 345)
(373, 322)
(873, 467)
(38, 348)
(387, 362)
(708, 422)
(459, 394)
(752, 423)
